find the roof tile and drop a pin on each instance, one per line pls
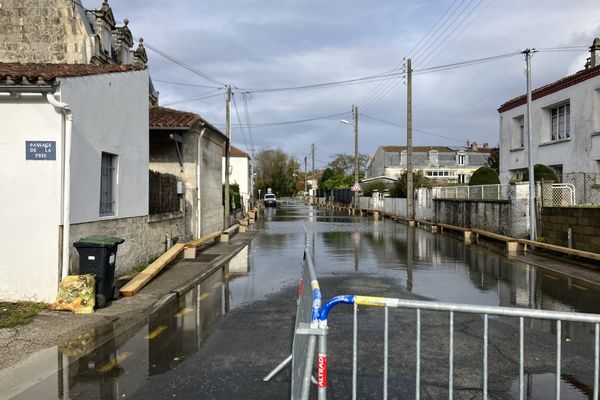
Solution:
(19, 74)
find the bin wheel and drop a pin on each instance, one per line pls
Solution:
(116, 293)
(100, 300)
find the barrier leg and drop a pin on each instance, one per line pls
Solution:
(322, 368)
(278, 368)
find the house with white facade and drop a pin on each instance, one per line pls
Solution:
(240, 173)
(440, 163)
(565, 125)
(73, 162)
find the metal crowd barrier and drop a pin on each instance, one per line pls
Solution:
(311, 323)
(306, 329)
(451, 308)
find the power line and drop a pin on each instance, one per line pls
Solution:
(247, 114)
(448, 36)
(299, 121)
(240, 122)
(414, 129)
(193, 99)
(187, 84)
(181, 63)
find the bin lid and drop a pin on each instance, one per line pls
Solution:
(98, 241)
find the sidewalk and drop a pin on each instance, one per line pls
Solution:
(50, 329)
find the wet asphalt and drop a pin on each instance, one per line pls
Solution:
(221, 338)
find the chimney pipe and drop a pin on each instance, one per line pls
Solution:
(595, 53)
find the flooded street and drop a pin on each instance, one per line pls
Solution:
(222, 337)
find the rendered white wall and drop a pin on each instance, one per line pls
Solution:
(110, 114)
(579, 154)
(240, 174)
(30, 205)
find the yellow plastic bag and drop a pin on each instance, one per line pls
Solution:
(76, 293)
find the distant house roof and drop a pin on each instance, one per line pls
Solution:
(235, 152)
(441, 149)
(553, 87)
(168, 118)
(40, 74)
(419, 149)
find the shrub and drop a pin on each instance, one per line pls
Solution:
(484, 176)
(369, 188)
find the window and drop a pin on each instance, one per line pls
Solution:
(460, 158)
(462, 178)
(518, 133)
(560, 122)
(107, 184)
(433, 158)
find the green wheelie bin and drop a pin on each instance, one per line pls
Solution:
(97, 256)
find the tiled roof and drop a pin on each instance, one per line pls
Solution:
(553, 87)
(39, 74)
(416, 149)
(235, 152)
(161, 117)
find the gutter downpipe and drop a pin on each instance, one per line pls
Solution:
(68, 118)
(199, 191)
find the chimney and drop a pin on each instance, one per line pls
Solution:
(595, 53)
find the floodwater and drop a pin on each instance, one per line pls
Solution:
(425, 264)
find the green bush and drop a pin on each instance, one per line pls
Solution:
(542, 172)
(484, 176)
(369, 188)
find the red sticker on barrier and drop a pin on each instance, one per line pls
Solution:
(300, 289)
(322, 371)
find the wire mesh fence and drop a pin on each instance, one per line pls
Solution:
(586, 187)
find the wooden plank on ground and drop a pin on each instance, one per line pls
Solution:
(561, 249)
(493, 235)
(454, 228)
(141, 279)
(232, 230)
(202, 240)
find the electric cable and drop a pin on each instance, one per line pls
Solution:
(414, 129)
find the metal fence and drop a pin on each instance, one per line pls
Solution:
(307, 320)
(478, 192)
(585, 185)
(558, 195)
(485, 311)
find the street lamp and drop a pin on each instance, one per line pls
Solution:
(355, 125)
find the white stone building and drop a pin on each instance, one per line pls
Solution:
(440, 163)
(73, 153)
(565, 119)
(240, 172)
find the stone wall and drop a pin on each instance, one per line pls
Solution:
(584, 223)
(144, 238)
(43, 31)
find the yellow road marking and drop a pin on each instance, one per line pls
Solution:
(156, 332)
(579, 287)
(203, 296)
(551, 277)
(118, 359)
(183, 311)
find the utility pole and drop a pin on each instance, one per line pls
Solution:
(532, 208)
(355, 111)
(227, 155)
(313, 168)
(410, 195)
(305, 174)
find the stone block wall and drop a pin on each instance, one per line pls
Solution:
(144, 238)
(584, 223)
(43, 31)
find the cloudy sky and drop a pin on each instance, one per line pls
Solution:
(263, 44)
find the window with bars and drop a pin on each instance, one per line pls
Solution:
(461, 158)
(107, 184)
(560, 122)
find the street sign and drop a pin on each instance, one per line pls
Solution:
(356, 187)
(40, 150)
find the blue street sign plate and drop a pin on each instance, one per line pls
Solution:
(40, 150)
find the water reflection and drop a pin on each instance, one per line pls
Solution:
(121, 365)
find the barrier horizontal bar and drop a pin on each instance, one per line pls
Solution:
(456, 307)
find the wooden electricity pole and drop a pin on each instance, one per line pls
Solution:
(410, 192)
(227, 155)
